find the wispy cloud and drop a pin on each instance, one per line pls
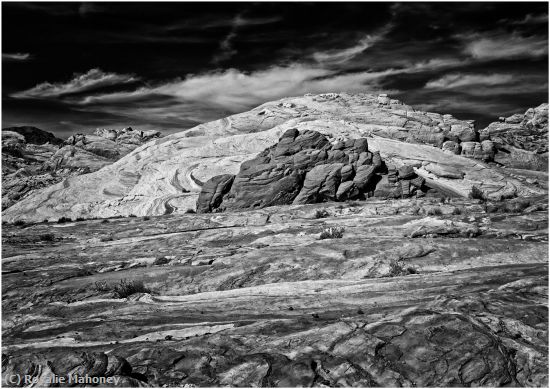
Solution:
(461, 80)
(493, 85)
(338, 56)
(530, 19)
(226, 44)
(93, 79)
(15, 56)
(505, 46)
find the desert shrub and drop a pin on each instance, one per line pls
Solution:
(161, 261)
(332, 233)
(398, 269)
(189, 210)
(80, 219)
(47, 237)
(127, 288)
(19, 223)
(132, 215)
(321, 213)
(457, 211)
(45, 221)
(415, 210)
(146, 217)
(64, 219)
(105, 221)
(477, 193)
(435, 211)
(101, 286)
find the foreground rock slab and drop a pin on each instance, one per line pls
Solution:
(445, 293)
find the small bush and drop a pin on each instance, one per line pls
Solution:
(457, 211)
(127, 288)
(397, 269)
(19, 223)
(45, 221)
(159, 261)
(47, 237)
(189, 210)
(101, 286)
(321, 213)
(332, 233)
(435, 211)
(146, 217)
(80, 219)
(477, 193)
(105, 221)
(132, 215)
(64, 219)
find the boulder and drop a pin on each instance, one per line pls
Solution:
(472, 150)
(364, 177)
(462, 133)
(346, 173)
(320, 184)
(346, 191)
(406, 172)
(487, 150)
(212, 192)
(452, 147)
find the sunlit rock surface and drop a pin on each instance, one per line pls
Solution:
(166, 175)
(431, 292)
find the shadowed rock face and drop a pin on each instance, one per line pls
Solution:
(35, 135)
(304, 168)
(414, 293)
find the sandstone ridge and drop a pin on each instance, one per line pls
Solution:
(166, 175)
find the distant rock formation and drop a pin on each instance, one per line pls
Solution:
(33, 159)
(521, 140)
(34, 135)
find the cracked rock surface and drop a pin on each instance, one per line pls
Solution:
(413, 293)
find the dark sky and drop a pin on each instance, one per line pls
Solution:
(73, 67)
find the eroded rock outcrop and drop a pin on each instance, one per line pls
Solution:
(166, 175)
(521, 140)
(34, 159)
(304, 168)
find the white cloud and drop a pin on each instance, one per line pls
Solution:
(341, 56)
(532, 19)
(93, 79)
(15, 56)
(234, 90)
(505, 46)
(457, 80)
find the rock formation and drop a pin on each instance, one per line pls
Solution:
(521, 140)
(305, 167)
(438, 278)
(33, 159)
(166, 175)
(34, 135)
